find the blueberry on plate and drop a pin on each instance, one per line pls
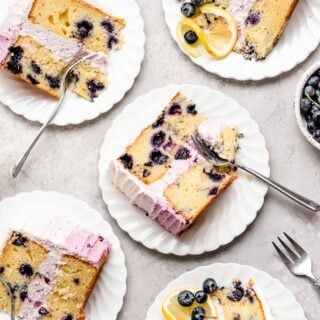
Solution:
(186, 298)
(237, 294)
(313, 81)
(198, 313)
(305, 105)
(316, 135)
(190, 37)
(209, 286)
(308, 117)
(198, 3)
(188, 9)
(201, 297)
(311, 126)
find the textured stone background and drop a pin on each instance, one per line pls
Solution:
(66, 160)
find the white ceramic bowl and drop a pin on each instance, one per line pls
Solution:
(300, 118)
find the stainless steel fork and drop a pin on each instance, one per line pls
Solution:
(65, 82)
(296, 259)
(7, 286)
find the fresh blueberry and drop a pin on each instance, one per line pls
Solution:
(191, 108)
(84, 29)
(20, 240)
(316, 118)
(253, 18)
(157, 157)
(67, 317)
(190, 37)
(198, 313)
(237, 294)
(158, 139)
(308, 117)
(186, 298)
(108, 26)
(209, 286)
(198, 3)
(310, 91)
(32, 79)
(201, 297)
(159, 122)
(182, 154)
(316, 135)
(314, 109)
(174, 109)
(34, 67)
(54, 82)
(313, 81)
(43, 311)
(188, 9)
(26, 270)
(305, 105)
(94, 86)
(311, 126)
(112, 40)
(127, 161)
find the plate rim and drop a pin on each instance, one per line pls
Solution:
(102, 172)
(76, 122)
(267, 75)
(121, 255)
(225, 265)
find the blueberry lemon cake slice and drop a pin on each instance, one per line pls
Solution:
(41, 37)
(53, 276)
(162, 172)
(260, 22)
(235, 302)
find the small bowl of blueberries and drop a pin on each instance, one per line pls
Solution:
(307, 105)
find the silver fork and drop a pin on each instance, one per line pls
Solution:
(208, 152)
(65, 83)
(7, 286)
(296, 259)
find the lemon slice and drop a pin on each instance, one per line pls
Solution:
(184, 26)
(172, 310)
(221, 37)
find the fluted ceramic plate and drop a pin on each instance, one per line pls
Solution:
(123, 67)
(281, 301)
(300, 38)
(229, 215)
(32, 211)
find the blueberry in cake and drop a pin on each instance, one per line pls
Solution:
(260, 22)
(162, 172)
(41, 37)
(234, 302)
(53, 276)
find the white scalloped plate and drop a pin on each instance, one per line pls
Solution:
(281, 301)
(123, 67)
(300, 38)
(31, 211)
(229, 215)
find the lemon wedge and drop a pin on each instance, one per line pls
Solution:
(221, 37)
(172, 310)
(184, 26)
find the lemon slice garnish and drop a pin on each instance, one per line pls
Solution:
(221, 37)
(172, 310)
(184, 26)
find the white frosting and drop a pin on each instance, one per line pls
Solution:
(240, 9)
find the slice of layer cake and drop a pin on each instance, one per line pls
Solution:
(52, 276)
(40, 38)
(162, 172)
(260, 23)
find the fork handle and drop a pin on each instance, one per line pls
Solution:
(305, 202)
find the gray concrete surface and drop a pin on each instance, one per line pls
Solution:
(65, 160)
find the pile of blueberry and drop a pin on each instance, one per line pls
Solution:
(310, 105)
(188, 9)
(187, 298)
